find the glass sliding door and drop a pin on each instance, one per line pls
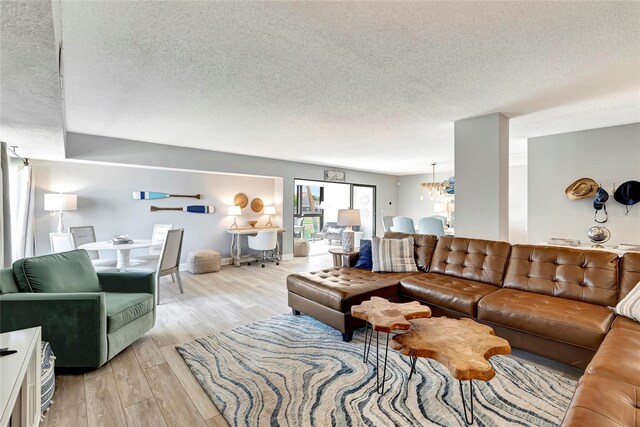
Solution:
(363, 197)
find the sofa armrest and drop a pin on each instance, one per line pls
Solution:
(350, 259)
(132, 282)
(75, 324)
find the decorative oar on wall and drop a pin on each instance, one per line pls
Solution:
(150, 195)
(192, 209)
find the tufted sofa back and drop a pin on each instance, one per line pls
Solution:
(581, 275)
(629, 273)
(423, 247)
(474, 259)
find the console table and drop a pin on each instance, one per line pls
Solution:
(20, 398)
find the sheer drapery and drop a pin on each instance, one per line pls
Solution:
(24, 241)
(5, 210)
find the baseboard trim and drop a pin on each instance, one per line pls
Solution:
(229, 261)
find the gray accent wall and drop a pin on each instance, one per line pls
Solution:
(607, 155)
(105, 201)
(93, 148)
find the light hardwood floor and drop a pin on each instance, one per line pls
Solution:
(149, 384)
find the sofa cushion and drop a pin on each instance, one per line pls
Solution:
(618, 357)
(423, 247)
(629, 272)
(473, 259)
(572, 322)
(629, 306)
(603, 402)
(581, 275)
(340, 288)
(625, 323)
(364, 257)
(393, 255)
(124, 308)
(61, 272)
(445, 291)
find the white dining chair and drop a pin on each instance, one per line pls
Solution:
(431, 225)
(265, 241)
(157, 237)
(387, 222)
(86, 234)
(63, 242)
(169, 261)
(403, 224)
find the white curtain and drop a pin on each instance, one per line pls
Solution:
(5, 213)
(24, 242)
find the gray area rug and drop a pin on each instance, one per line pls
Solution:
(295, 371)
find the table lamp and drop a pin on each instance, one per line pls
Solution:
(58, 203)
(269, 210)
(234, 211)
(348, 218)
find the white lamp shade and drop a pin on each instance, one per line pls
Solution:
(348, 217)
(439, 207)
(234, 211)
(60, 202)
(269, 210)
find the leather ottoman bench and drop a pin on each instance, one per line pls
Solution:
(328, 295)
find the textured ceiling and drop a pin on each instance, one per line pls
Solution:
(31, 115)
(374, 86)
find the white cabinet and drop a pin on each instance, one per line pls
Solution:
(20, 398)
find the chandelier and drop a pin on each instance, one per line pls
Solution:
(436, 189)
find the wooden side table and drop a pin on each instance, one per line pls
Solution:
(387, 317)
(337, 255)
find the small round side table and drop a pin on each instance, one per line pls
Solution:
(337, 255)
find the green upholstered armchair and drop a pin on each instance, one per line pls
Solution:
(87, 317)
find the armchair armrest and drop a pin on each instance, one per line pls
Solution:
(74, 323)
(133, 282)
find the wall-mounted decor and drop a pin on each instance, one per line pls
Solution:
(241, 200)
(581, 189)
(628, 194)
(150, 195)
(257, 205)
(192, 209)
(334, 176)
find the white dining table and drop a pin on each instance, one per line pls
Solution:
(123, 252)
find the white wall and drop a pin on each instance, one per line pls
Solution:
(482, 177)
(607, 155)
(518, 232)
(121, 151)
(409, 192)
(104, 201)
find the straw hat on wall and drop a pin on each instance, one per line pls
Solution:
(581, 189)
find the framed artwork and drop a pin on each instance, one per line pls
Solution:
(334, 176)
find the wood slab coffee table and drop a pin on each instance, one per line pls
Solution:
(463, 346)
(387, 317)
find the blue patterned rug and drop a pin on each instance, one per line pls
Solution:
(295, 371)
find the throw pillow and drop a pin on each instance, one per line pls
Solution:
(630, 305)
(393, 255)
(365, 261)
(332, 230)
(61, 272)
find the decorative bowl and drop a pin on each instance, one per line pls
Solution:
(252, 223)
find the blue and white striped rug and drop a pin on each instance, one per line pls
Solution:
(295, 371)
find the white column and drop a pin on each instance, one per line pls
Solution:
(482, 177)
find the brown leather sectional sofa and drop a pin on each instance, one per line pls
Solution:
(552, 301)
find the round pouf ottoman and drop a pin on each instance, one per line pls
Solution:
(300, 248)
(203, 261)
